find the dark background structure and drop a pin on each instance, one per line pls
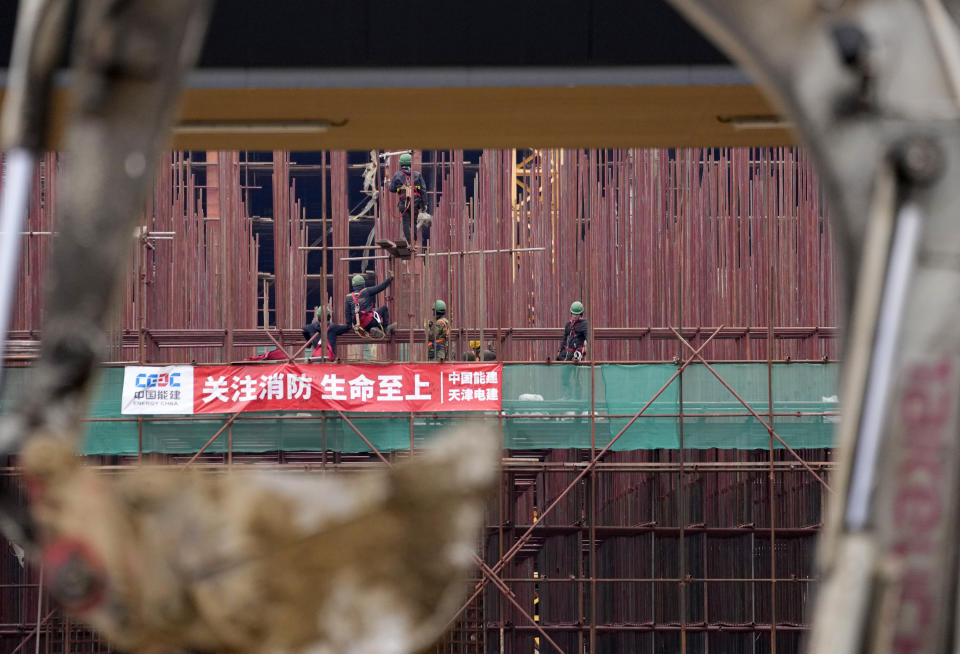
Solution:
(367, 33)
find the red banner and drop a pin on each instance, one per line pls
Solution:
(365, 387)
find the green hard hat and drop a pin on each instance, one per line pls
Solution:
(406, 159)
(358, 281)
(440, 305)
(576, 308)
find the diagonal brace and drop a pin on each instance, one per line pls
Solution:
(508, 556)
(767, 426)
(488, 574)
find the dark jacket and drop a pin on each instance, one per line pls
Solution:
(575, 334)
(403, 177)
(365, 298)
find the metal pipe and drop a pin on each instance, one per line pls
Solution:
(559, 468)
(487, 572)
(20, 163)
(39, 608)
(203, 449)
(34, 631)
(903, 252)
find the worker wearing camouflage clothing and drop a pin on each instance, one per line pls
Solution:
(438, 333)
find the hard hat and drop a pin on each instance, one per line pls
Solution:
(440, 305)
(406, 159)
(576, 308)
(474, 345)
(358, 281)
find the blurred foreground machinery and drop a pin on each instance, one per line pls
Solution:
(872, 87)
(159, 560)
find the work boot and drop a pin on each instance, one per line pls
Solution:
(392, 327)
(376, 332)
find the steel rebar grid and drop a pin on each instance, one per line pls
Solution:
(636, 188)
(526, 535)
(35, 631)
(488, 574)
(626, 627)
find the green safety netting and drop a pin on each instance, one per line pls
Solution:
(713, 416)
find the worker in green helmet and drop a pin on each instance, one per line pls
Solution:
(311, 332)
(360, 315)
(359, 307)
(575, 334)
(438, 333)
(411, 193)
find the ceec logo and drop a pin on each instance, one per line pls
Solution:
(158, 380)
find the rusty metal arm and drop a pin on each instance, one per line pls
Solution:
(125, 95)
(872, 87)
(37, 48)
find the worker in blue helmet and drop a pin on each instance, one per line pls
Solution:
(411, 192)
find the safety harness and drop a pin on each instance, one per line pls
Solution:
(363, 319)
(571, 338)
(438, 337)
(410, 181)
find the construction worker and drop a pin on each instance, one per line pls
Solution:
(438, 333)
(412, 199)
(359, 314)
(333, 331)
(311, 334)
(477, 353)
(575, 333)
(359, 311)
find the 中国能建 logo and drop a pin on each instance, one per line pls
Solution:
(158, 380)
(156, 389)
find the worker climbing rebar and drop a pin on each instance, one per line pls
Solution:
(438, 333)
(359, 314)
(575, 334)
(358, 308)
(411, 190)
